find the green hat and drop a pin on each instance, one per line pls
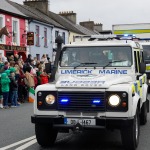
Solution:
(4, 75)
(12, 69)
(7, 72)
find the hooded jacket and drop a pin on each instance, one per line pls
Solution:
(5, 82)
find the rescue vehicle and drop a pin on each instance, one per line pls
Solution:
(92, 87)
(146, 50)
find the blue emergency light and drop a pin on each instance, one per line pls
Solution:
(96, 101)
(64, 101)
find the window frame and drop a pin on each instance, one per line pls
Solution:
(45, 37)
(3, 38)
(56, 34)
(37, 39)
(63, 35)
(17, 32)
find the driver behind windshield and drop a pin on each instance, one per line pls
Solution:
(123, 59)
(79, 58)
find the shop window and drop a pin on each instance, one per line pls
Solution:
(63, 36)
(2, 24)
(15, 30)
(45, 37)
(37, 36)
(56, 34)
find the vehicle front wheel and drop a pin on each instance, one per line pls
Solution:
(45, 134)
(143, 114)
(130, 134)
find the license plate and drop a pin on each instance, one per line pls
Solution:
(84, 122)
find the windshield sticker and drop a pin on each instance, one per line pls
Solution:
(112, 71)
(76, 71)
(86, 72)
(82, 83)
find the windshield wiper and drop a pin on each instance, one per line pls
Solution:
(113, 62)
(83, 64)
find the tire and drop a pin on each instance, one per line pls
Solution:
(45, 135)
(130, 134)
(143, 115)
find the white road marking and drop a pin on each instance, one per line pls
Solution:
(26, 145)
(17, 143)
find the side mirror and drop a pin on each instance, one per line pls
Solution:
(142, 67)
(48, 68)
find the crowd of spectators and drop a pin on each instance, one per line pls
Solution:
(17, 76)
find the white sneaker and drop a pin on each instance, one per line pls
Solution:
(13, 106)
(1, 106)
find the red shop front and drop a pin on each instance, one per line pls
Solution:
(8, 50)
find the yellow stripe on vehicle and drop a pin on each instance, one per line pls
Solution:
(133, 89)
(139, 88)
(147, 67)
(141, 82)
(136, 88)
(144, 79)
(136, 31)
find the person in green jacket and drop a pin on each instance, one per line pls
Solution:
(5, 88)
(7, 72)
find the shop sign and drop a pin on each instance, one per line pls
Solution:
(9, 47)
(30, 38)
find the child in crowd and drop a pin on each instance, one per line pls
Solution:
(44, 77)
(5, 89)
(39, 72)
(13, 89)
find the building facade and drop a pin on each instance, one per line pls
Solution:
(17, 28)
(42, 39)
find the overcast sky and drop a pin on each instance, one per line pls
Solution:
(107, 12)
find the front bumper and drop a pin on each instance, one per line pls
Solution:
(58, 122)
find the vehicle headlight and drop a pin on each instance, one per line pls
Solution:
(50, 99)
(114, 100)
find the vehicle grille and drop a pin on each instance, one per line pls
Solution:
(81, 101)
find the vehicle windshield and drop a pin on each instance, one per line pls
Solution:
(146, 51)
(96, 56)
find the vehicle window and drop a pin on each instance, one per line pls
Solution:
(97, 56)
(146, 50)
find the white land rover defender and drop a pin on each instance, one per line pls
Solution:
(146, 52)
(95, 84)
